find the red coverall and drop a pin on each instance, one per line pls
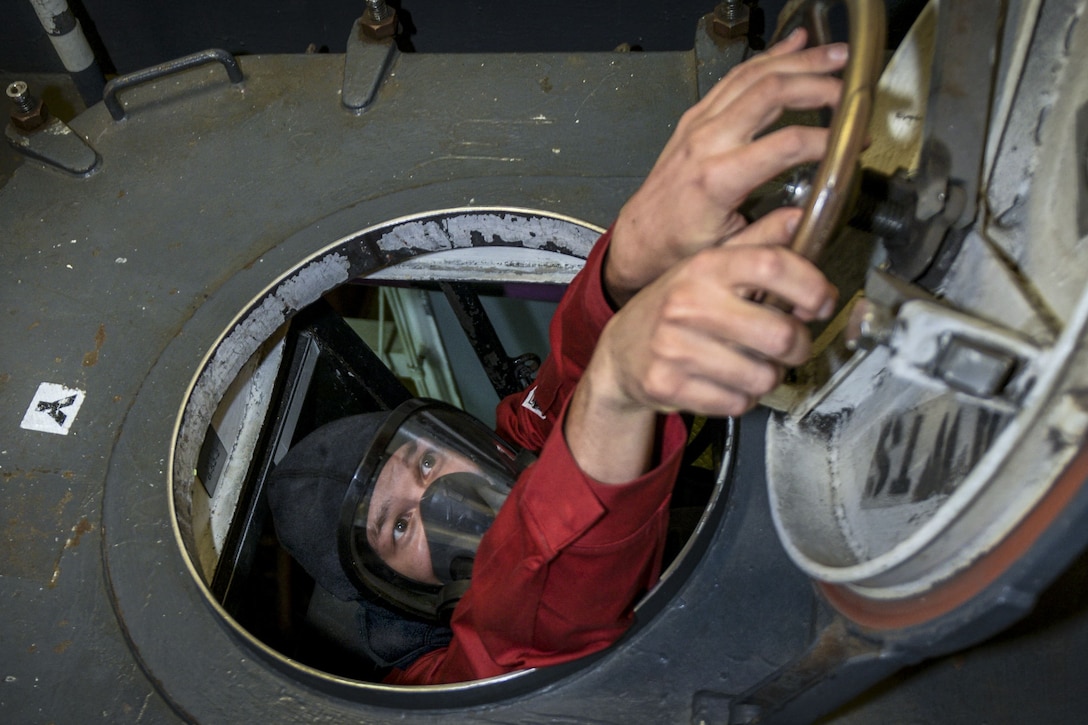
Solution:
(557, 574)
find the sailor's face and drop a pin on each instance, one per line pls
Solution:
(394, 528)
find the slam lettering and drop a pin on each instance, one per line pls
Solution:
(949, 442)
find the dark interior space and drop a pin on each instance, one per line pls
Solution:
(130, 36)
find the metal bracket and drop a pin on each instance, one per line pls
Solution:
(366, 65)
(932, 344)
(716, 54)
(937, 346)
(948, 178)
(57, 145)
(838, 663)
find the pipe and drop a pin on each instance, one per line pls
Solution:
(71, 44)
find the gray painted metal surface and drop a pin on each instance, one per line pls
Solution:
(206, 193)
(216, 210)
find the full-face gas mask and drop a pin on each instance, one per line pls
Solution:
(423, 495)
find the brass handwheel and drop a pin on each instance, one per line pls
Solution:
(833, 182)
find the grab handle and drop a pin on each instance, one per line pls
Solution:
(214, 55)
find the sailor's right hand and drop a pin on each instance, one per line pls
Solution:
(696, 340)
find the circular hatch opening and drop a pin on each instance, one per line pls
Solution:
(338, 334)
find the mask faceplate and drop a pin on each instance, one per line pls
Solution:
(422, 497)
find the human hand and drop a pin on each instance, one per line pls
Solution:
(695, 339)
(714, 160)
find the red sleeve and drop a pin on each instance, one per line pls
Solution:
(527, 417)
(557, 575)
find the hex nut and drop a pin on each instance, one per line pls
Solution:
(379, 29)
(30, 120)
(730, 22)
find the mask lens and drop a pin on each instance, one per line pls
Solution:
(456, 511)
(422, 497)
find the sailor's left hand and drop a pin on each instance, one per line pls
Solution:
(717, 156)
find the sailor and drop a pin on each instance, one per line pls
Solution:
(476, 553)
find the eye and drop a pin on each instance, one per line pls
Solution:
(400, 528)
(426, 464)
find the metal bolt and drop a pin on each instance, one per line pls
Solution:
(869, 324)
(379, 21)
(891, 222)
(729, 9)
(378, 9)
(20, 96)
(29, 113)
(797, 189)
(730, 19)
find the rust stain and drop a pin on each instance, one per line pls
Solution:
(91, 358)
(59, 649)
(34, 324)
(65, 499)
(78, 531)
(35, 509)
(29, 474)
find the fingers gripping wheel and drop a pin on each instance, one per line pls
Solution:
(831, 188)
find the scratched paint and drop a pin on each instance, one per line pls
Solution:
(35, 521)
(84, 526)
(295, 291)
